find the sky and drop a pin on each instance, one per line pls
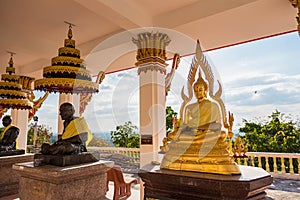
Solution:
(257, 78)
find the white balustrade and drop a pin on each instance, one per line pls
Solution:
(284, 165)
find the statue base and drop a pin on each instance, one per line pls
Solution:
(66, 160)
(12, 152)
(9, 179)
(173, 184)
(85, 181)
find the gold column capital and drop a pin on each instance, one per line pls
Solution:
(151, 48)
(296, 4)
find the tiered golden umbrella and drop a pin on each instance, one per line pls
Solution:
(11, 94)
(67, 73)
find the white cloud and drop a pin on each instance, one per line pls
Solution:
(257, 78)
(117, 103)
(48, 113)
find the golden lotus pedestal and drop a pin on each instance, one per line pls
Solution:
(172, 184)
(84, 181)
(9, 179)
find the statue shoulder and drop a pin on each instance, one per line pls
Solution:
(79, 119)
(191, 105)
(209, 102)
(15, 128)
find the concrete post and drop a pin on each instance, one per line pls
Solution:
(151, 62)
(20, 119)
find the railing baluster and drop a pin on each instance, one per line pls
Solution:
(291, 165)
(259, 162)
(298, 165)
(252, 161)
(267, 164)
(275, 164)
(282, 165)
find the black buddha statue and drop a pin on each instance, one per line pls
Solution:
(76, 134)
(9, 136)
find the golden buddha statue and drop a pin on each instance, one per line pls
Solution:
(239, 150)
(199, 143)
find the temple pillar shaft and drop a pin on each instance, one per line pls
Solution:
(76, 103)
(152, 113)
(151, 62)
(20, 119)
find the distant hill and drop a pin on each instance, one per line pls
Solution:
(104, 136)
(54, 137)
(101, 135)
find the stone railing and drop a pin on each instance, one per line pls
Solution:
(281, 165)
(131, 152)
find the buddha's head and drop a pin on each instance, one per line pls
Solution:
(200, 88)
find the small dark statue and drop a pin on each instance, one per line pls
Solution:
(9, 136)
(75, 137)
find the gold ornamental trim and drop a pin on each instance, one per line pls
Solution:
(16, 103)
(69, 50)
(17, 86)
(151, 60)
(67, 69)
(151, 44)
(66, 85)
(10, 70)
(37, 104)
(296, 4)
(13, 93)
(153, 66)
(26, 83)
(10, 77)
(66, 59)
(69, 43)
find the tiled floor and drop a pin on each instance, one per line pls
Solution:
(274, 193)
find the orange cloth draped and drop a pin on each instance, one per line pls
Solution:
(6, 128)
(75, 127)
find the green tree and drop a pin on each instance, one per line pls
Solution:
(278, 134)
(170, 115)
(43, 134)
(126, 136)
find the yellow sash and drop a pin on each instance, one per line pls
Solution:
(6, 128)
(75, 127)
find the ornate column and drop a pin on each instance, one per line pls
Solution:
(296, 4)
(76, 103)
(20, 117)
(151, 62)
